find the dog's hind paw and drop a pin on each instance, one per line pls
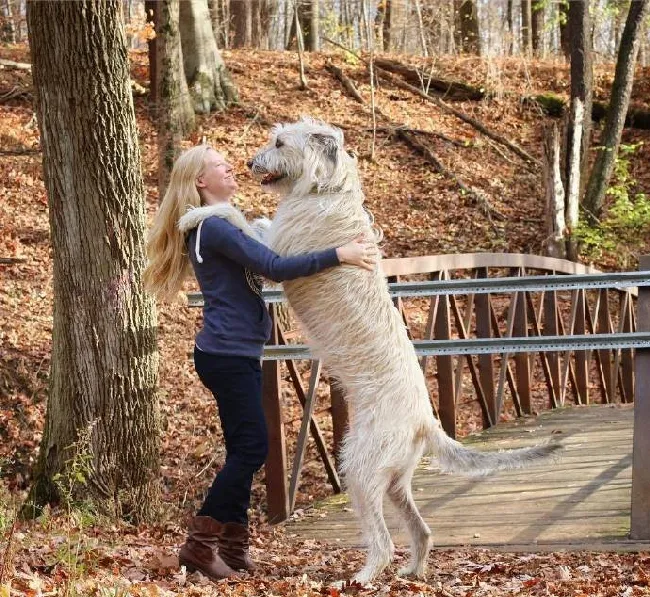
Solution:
(411, 571)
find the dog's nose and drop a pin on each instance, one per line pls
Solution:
(249, 163)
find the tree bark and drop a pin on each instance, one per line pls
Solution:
(581, 96)
(563, 24)
(208, 80)
(526, 27)
(104, 359)
(538, 28)
(220, 17)
(175, 111)
(8, 29)
(242, 20)
(554, 245)
(152, 16)
(511, 31)
(467, 27)
(261, 23)
(309, 16)
(621, 91)
(381, 24)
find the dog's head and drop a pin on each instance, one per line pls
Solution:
(305, 157)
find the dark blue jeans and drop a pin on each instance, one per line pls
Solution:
(236, 383)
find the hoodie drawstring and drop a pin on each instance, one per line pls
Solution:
(197, 244)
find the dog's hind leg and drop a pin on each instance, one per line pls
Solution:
(399, 492)
(367, 501)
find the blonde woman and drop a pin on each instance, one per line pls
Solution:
(197, 224)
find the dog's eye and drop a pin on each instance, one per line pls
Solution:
(278, 143)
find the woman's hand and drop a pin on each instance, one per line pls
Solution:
(359, 252)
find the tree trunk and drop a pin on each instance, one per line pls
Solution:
(526, 27)
(511, 33)
(467, 30)
(563, 24)
(261, 23)
(242, 20)
(308, 11)
(104, 359)
(152, 16)
(8, 29)
(175, 113)
(554, 245)
(394, 25)
(381, 24)
(581, 96)
(423, 39)
(208, 80)
(220, 17)
(621, 91)
(538, 28)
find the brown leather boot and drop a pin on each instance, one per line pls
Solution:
(201, 549)
(233, 546)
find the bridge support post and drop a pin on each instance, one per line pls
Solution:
(275, 468)
(640, 523)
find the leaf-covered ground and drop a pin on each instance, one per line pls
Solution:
(420, 212)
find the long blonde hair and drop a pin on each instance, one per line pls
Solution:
(168, 264)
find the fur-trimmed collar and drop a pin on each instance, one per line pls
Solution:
(196, 215)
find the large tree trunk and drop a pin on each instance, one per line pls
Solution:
(579, 127)
(209, 82)
(104, 359)
(175, 111)
(620, 99)
(467, 29)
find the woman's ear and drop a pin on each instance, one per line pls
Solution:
(200, 184)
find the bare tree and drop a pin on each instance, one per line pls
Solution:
(526, 26)
(620, 99)
(537, 27)
(104, 359)
(174, 106)
(207, 77)
(579, 126)
(467, 27)
(242, 20)
(563, 24)
(220, 16)
(7, 26)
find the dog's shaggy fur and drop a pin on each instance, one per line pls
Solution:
(360, 336)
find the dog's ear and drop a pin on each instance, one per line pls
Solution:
(326, 143)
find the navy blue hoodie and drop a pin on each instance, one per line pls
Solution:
(235, 319)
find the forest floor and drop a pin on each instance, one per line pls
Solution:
(78, 552)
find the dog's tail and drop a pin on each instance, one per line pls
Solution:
(453, 457)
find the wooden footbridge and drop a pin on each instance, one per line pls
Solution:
(500, 337)
(581, 500)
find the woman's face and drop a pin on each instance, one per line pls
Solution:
(216, 183)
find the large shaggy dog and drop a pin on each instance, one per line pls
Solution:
(360, 336)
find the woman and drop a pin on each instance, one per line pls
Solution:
(197, 224)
